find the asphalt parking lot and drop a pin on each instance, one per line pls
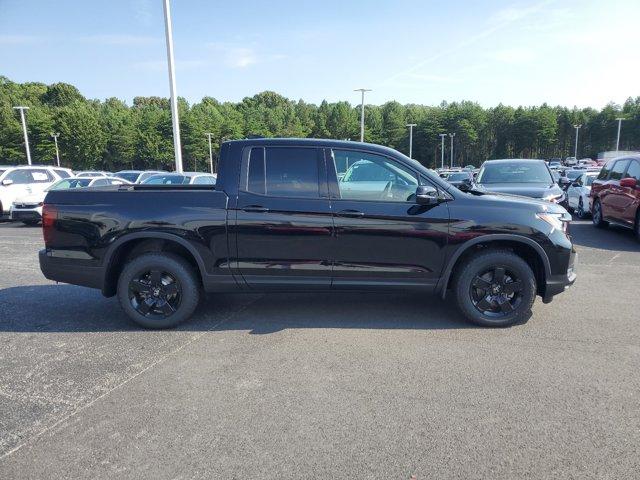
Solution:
(321, 386)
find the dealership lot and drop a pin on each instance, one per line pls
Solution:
(321, 386)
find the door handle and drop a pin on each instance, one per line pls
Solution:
(350, 214)
(255, 208)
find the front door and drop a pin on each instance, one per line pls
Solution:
(283, 221)
(383, 238)
(613, 195)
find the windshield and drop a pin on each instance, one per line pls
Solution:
(70, 183)
(456, 177)
(573, 174)
(129, 176)
(167, 180)
(514, 172)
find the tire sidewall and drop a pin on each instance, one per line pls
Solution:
(179, 269)
(504, 259)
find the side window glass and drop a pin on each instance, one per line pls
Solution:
(62, 173)
(634, 170)
(284, 172)
(618, 169)
(604, 173)
(19, 177)
(366, 176)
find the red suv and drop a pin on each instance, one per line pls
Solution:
(615, 194)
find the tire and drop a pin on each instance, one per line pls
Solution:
(31, 223)
(580, 211)
(596, 215)
(163, 285)
(637, 225)
(483, 305)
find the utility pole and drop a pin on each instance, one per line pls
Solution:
(575, 152)
(172, 87)
(55, 139)
(452, 135)
(362, 111)
(24, 131)
(210, 151)
(619, 128)
(442, 137)
(411, 125)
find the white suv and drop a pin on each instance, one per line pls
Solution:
(18, 182)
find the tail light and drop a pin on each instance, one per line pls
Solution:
(49, 217)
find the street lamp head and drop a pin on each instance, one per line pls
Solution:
(21, 108)
(411, 124)
(362, 90)
(577, 126)
(452, 135)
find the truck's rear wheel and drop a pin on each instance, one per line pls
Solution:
(158, 290)
(495, 289)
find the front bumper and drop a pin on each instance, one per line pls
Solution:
(556, 284)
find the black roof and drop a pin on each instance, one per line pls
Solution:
(317, 142)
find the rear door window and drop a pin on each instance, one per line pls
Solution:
(634, 170)
(284, 172)
(618, 169)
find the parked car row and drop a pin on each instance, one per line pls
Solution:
(611, 194)
(23, 188)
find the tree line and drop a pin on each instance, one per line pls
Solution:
(112, 135)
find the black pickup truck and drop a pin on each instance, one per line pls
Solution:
(308, 215)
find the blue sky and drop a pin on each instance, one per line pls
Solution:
(571, 52)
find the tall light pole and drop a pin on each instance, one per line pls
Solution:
(442, 137)
(24, 131)
(362, 111)
(575, 151)
(55, 139)
(452, 135)
(210, 150)
(172, 87)
(619, 128)
(411, 125)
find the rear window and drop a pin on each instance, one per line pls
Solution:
(284, 172)
(167, 180)
(618, 169)
(129, 176)
(62, 173)
(515, 172)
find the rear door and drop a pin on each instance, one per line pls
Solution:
(383, 238)
(612, 197)
(283, 221)
(630, 196)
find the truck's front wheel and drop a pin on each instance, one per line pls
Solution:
(495, 288)
(158, 290)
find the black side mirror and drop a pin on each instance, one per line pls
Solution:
(427, 195)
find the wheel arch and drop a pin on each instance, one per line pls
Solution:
(135, 244)
(528, 249)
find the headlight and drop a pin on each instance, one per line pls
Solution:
(554, 197)
(558, 221)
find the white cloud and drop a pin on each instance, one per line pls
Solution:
(241, 56)
(19, 39)
(161, 65)
(513, 56)
(122, 39)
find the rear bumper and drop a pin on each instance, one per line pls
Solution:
(18, 215)
(70, 271)
(556, 284)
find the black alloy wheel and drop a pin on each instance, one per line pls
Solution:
(155, 293)
(496, 292)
